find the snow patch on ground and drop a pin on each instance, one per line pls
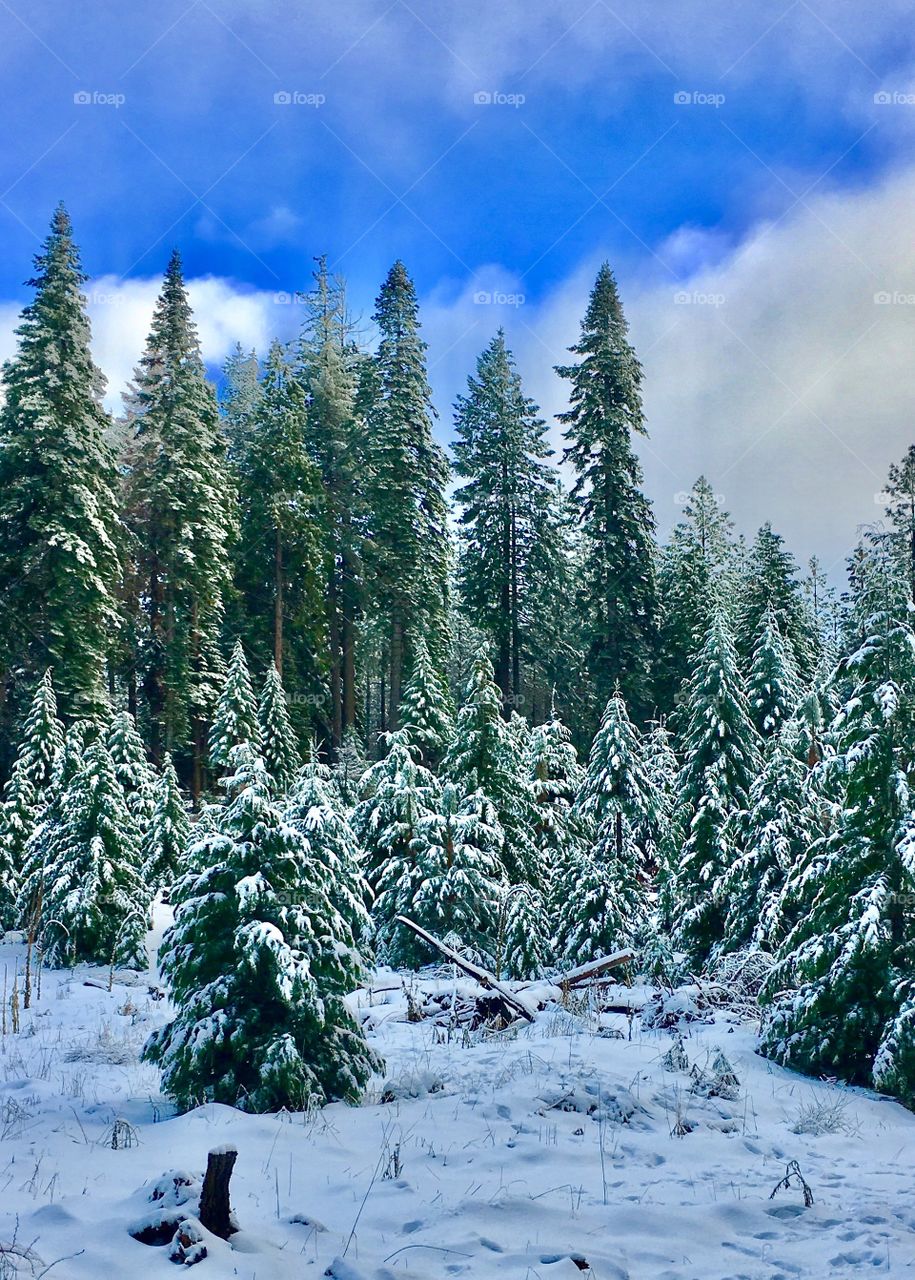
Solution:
(535, 1153)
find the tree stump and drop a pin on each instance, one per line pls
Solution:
(214, 1212)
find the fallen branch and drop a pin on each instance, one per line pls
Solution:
(486, 980)
(593, 969)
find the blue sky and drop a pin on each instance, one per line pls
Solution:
(716, 151)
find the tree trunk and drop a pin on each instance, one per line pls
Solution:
(215, 1213)
(336, 671)
(348, 645)
(397, 645)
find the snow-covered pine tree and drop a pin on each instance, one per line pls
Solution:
(408, 475)
(555, 777)
(900, 511)
(617, 596)
(773, 688)
(771, 836)
(589, 913)
(526, 949)
(235, 718)
(239, 399)
(427, 708)
(659, 835)
(616, 791)
(484, 756)
(258, 961)
(508, 500)
(164, 846)
(280, 746)
(25, 792)
(181, 510)
(132, 769)
(95, 905)
(834, 997)
(399, 793)
(59, 527)
(720, 750)
(453, 883)
(769, 584)
(350, 768)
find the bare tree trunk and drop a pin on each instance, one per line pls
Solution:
(215, 1213)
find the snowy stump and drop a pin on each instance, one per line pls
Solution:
(214, 1212)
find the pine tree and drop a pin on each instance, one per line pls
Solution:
(483, 757)
(617, 598)
(590, 917)
(508, 505)
(282, 757)
(163, 848)
(408, 477)
(350, 769)
(181, 511)
(258, 962)
(835, 995)
(426, 708)
(617, 800)
(555, 779)
(132, 769)
(239, 400)
(59, 529)
(282, 550)
(773, 689)
(24, 796)
(235, 718)
(95, 906)
(526, 947)
(659, 834)
(769, 585)
(900, 511)
(329, 368)
(721, 759)
(695, 567)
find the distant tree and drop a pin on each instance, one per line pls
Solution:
(282, 757)
(235, 719)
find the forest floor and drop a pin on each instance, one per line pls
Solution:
(562, 1149)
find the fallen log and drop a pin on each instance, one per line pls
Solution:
(486, 980)
(593, 969)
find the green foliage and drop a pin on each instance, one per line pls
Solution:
(282, 757)
(235, 719)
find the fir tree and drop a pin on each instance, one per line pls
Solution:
(426, 708)
(837, 988)
(258, 962)
(408, 477)
(590, 918)
(350, 769)
(239, 400)
(616, 790)
(59, 529)
(181, 510)
(900, 511)
(163, 848)
(281, 552)
(235, 718)
(132, 768)
(769, 586)
(282, 757)
(555, 779)
(659, 835)
(95, 906)
(721, 759)
(772, 689)
(508, 505)
(526, 949)
(617, 596)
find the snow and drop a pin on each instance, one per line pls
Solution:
(528, 1153)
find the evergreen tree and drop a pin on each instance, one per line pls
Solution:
(721, 759)
(235, 718)
(508, 511)
(526, 949)
(240, 399)
(163, 848)
(695, 567)
(281, 552)
(329, 368)
(25, 792)
(555, 778)
(659, 834)
(282, 757)
(59, 529)
(769, 586)
(483, 756)
(842, 972)
(258, 961)
(408, 477)
(132, 768)
(426, 708)
(617, 595)
(617, 800)
(590, 914)
(95, 906)
(181, 510)
(900, 511)
(773, 688)
(350, 769)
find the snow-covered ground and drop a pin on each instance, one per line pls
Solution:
(536, 1153)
